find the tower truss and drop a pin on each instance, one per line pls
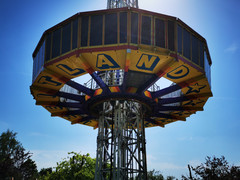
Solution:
(111, 4)
(125, 51)
(121, 152)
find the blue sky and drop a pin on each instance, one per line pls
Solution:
(214, 131)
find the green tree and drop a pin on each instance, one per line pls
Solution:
(214, 169)
(45, 172)
(79, 167)
(170, 178)
(14, 161)
(154, 175)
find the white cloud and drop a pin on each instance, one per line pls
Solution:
(194, 163)
(237, 164)
(170, 166)
(37, 134)
(48, 158)
(167, 168)
(232, 48)
(185, 138)
(4, 126)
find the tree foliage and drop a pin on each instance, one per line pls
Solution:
(45, 172)
(80, 167)
(156, 175)
(14, 160)
(215, 169)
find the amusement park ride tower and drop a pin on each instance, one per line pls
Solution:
(125, 50)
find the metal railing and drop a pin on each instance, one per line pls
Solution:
(110, 78)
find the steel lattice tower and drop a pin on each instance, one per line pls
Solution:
(111, 4)
(126, 51)
(121, 151)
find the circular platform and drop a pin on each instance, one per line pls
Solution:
(125, 51)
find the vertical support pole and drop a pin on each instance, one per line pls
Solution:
(121, 150)
(111, 4)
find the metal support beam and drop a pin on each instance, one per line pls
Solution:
(111, 4)
(100, 82)
(121, 151)
(80, 87)
(176, 87)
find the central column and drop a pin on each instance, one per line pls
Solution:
(121, 151)
(111, 4)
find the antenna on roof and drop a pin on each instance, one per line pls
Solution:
(112, 4)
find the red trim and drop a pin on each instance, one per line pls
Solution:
(161, 73)
(153, 31)
(60, 58)
(190, 29)
(60, 78)
(90, 70)
(127, 64)
(79, 51)
(98, 49)
(97, 12)
(140, 11)
(166, 33)
(153, 13)
(139, 28)
(191, 81)
(52, 29)
(104, 11)
(187, 62)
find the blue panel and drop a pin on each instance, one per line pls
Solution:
(159, 33)
(207, 68)
(100, 82)
(76, 112)
(110, 29)
(171, 108)
(186, 44)
(84, 31)
(66, 38)
(124, 83)
(134, 28)
(80, 87)
(179, 34)
(48, 46)
(38, 61)
(201, 54)
(96, 30)
(146, 30)
(172, 100)
(75, 34)
(148, 83)
(165, 91)
(71, 96)
(171, 35)
(195, 50)
(70, 104)
(56, 43)
(123, 27)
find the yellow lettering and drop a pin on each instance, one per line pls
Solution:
(103, 61)
(146, 61)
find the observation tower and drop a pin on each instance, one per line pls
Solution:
(125, 50)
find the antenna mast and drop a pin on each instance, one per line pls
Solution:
(111, 4)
